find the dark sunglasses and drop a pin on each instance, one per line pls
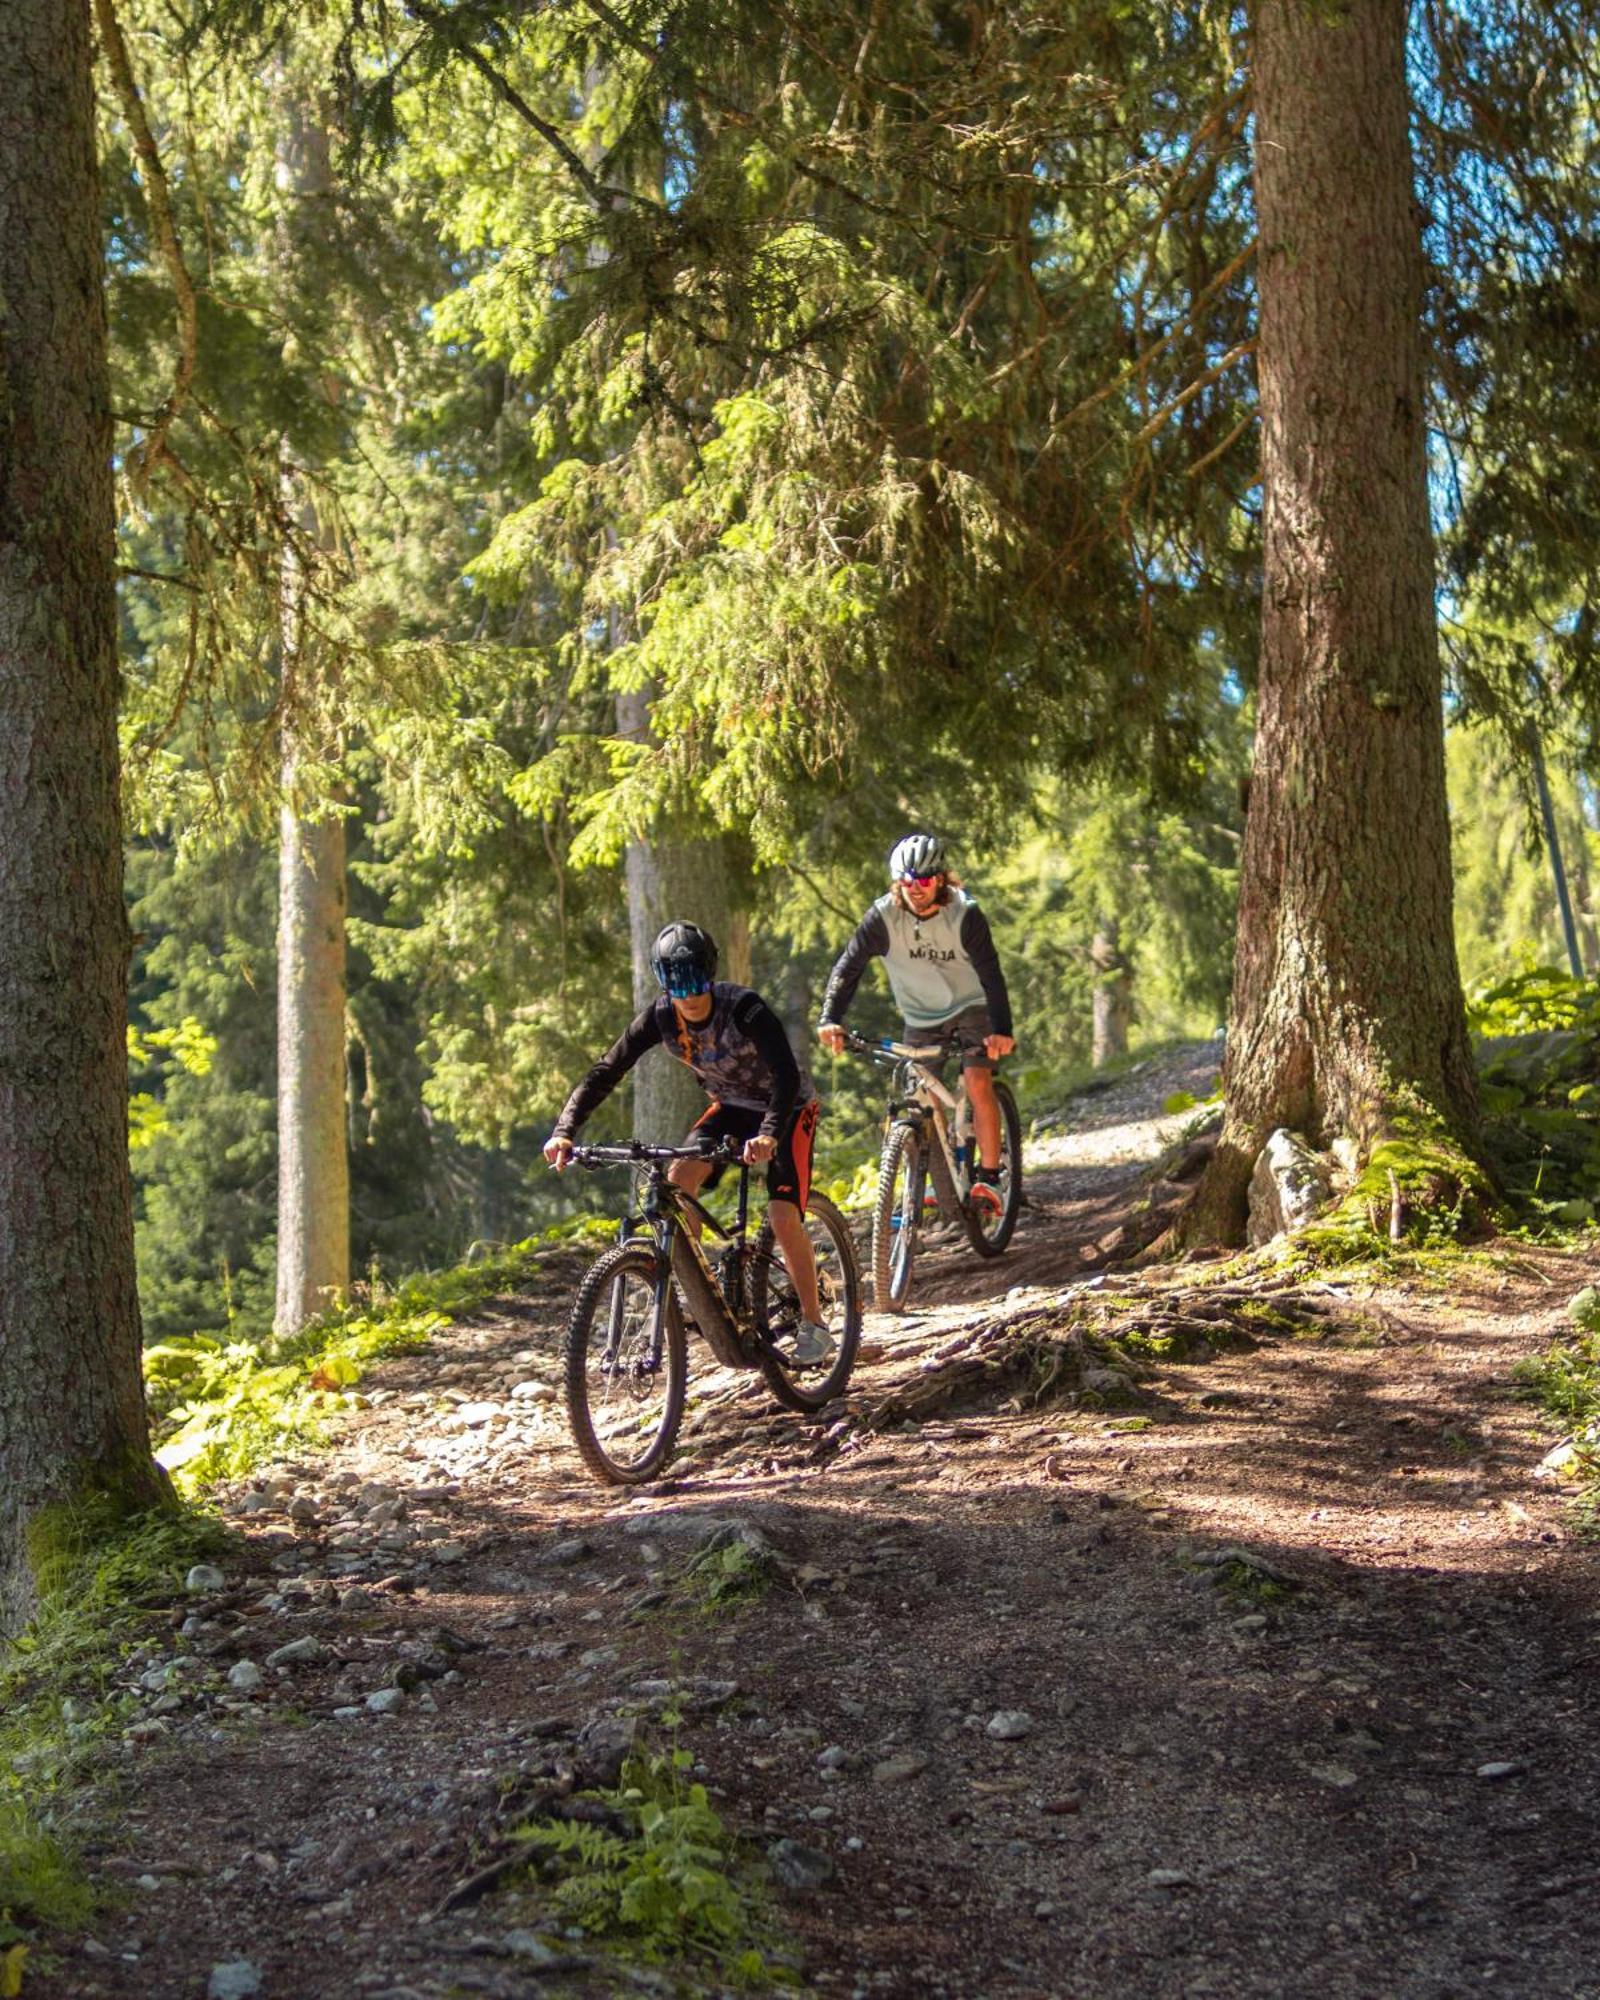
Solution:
(684, 982)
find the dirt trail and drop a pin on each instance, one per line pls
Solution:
(1361, 1752)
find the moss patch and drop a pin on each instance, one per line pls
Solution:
(104, 1579)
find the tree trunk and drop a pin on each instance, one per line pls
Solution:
(670, 875)
(313, 1128)
(72, 1412)
(1113, 993)
(1347, 1012)
(313, 1155)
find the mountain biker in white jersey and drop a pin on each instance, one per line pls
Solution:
(761, 1099)
(946, 979)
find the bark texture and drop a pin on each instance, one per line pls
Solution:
(72, 1413)
(1113, 993)
(313, 1128)
(671, 875)
(1347, 1008)
(313, 1156)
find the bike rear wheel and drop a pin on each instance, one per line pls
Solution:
(627, 1367)
(989, 1231)
(897, 1217)
(775, 1308)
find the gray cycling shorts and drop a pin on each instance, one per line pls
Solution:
(966, 1029)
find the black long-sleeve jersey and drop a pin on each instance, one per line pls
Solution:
(740, 1054)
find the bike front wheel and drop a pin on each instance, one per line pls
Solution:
(775, 1308)
(897, 1217)
(627, 1366)
(989, 1229)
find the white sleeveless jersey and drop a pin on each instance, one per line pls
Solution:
(930, 973)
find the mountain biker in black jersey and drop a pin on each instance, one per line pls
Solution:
(946, 979)
(761, 1099)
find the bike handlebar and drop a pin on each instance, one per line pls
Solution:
(883, 1048)
(725, 1155)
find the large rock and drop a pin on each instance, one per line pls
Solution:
(1289, 1185)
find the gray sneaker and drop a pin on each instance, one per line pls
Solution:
(813, 1345)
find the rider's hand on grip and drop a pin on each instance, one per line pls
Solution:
(559, 1153)
(831, 1036)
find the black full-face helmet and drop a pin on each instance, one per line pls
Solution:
(684, 960)
(918, 854)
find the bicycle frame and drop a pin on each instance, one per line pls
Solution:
(925, 1096)
(680, 1255)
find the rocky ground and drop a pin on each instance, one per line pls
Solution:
(1274, 1670)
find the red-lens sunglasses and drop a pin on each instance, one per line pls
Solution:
(921, 881)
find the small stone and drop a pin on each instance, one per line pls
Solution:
(533, 1392)
(530, 1949)
(904, 1764)
(1170, 1878)
(834, 1758)
(245, 1676)
(1499, 1770)
(1044, 1909)
(297, 1653)
(796, 1866)
(235, 1979)
(571, 1550)
(474, 1415)
(603, 1747)
(355, 1599)
(386, 1700)
(449, 1552)
(204, 1579)
(1339, 1775)
(1006, 1725)
(303, 1509)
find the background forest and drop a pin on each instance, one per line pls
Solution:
(626, 457)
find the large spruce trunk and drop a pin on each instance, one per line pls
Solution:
(1347, 1011)
(313, 1129)
(72, 1413)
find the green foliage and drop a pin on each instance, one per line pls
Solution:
(1566, 1382)
(1538, 1064)
(1505, 899)
(673, 1887)
(729, 1574)
(223, 1407)
(102, 1584)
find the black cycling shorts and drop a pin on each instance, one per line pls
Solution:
(789, 1169)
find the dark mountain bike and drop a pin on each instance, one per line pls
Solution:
(928, 1142)
(627, 1363)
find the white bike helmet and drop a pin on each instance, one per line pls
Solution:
(917, 854)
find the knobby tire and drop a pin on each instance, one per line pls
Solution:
(894, 1250)
(586, 1339)
(776, 1312)
(991, 1238)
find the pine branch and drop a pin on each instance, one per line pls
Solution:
(144, 457)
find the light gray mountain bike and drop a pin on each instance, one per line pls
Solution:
(928, 1144)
